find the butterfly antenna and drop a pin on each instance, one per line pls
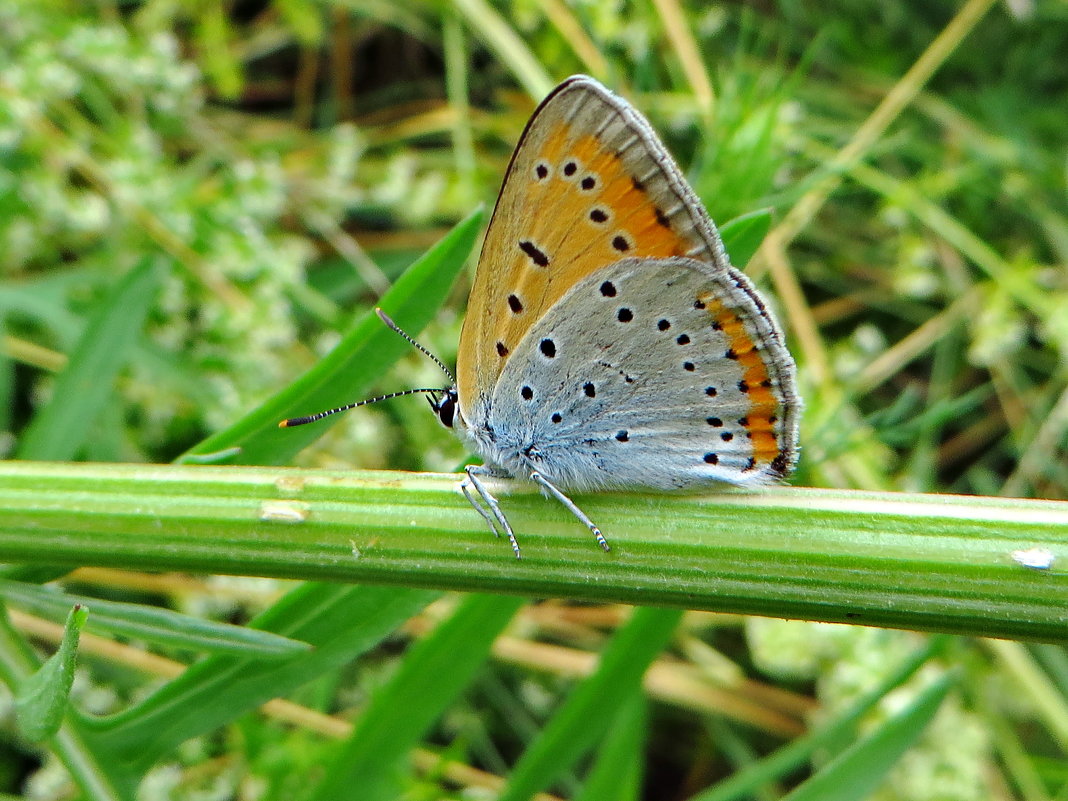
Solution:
(385, 319)
(311, 418)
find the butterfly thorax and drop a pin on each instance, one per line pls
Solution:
(514, 446)
(475, 430)
(480, 436)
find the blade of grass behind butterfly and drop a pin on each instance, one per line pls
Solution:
(860, 769)
(59, 429)
(348, 371)
(499, 36)
(831, 735)
(341, 622)
(152, 624)
(743, 235)
(430, 677)
(588, 711)
(616, 775)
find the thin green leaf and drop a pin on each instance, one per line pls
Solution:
(832, 735)
(96, 772)
(358, 360)
(742, 235)
(341, 622)
(858, 771)
(60, 428)
(41, 700)
(432, 674)
(44, 299)
(153, 624)
(617, 773)
(588, 711)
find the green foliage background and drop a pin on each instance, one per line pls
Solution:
(242, 182)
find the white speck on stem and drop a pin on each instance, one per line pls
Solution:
(1034, 558)
(284, 512)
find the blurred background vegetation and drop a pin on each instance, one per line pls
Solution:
(282, 161)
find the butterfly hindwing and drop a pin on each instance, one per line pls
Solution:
(659, 373)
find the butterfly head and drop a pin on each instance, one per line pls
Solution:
(444, 405)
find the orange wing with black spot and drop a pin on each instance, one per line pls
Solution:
(589, 184)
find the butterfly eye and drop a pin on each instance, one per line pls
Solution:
(445, 408)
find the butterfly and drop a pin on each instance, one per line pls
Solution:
(609, 343)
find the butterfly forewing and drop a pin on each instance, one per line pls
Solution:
(589, 184)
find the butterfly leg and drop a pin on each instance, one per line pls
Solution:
(473, 480)
(538, 478)
(464, 486)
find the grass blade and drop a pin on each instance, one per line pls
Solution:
(510, 47)
(432, 674)
(59, 429)
(99, 776)
(799, 752)
(153, 624)
(341, 622)
(616, 775)
(742, 235)
(588, 711)
(858, 771)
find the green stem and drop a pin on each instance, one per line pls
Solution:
(929, 562)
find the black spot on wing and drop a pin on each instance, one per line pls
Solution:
(534, 253)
